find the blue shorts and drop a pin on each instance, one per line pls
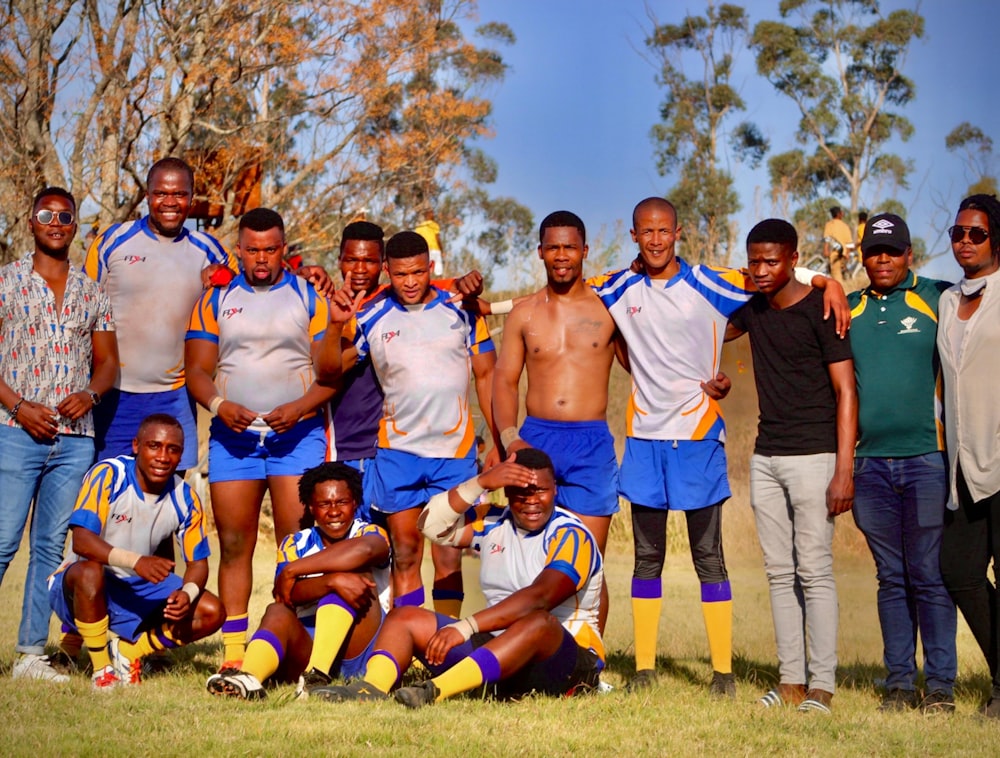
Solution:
(254, 456)
(134, 604)
(583, 453)
(677, 475)
(117, 419)
(404, 480)
(366, 467)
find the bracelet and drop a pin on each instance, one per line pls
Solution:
(213, 407)
(192, 590)
(122, 558)
(16, 408)
(508, 436)
(471, 490)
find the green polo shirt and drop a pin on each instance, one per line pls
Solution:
(897, 369)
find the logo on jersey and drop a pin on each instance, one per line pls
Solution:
(908, 323)
(230, 312)
(130, 259)
(496, 549)
(121, 518)
(389, 336)
(633, 310)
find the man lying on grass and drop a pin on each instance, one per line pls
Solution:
(541, 573)
(327, 591)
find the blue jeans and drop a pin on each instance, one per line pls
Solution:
(49, 473)
(899, 506)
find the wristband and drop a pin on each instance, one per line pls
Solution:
(16, 408)
(466, 627)
(470, 491)
(502, 308)
(509, 435)
(121, 558)
(192, 590)
(213, 407)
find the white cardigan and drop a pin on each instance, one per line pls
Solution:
(972, 391)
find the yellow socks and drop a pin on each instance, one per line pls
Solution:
(647, 602)
(234, 637)
(95, 639)
(334, 619)
(263, 655)
(717, 608)
(382, 670)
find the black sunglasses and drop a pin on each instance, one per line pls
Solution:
(976, 234)
(63, 218)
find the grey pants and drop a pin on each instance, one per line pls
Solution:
(788, 496)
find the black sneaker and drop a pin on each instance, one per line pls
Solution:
(309, 681)
(992, 708)
(723, 686)
(898, 699)
(643, 679)
(359, 690)
(418, 695)
(938, 701)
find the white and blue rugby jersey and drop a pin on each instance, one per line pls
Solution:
(153, 282)
(511, 559)
(421, 355)
(309, 542)
(674, 330)
(112, 505)
(265, 336)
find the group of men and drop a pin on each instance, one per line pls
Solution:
(271, 354)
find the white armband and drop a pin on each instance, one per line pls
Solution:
(121, 558)
(466, 627)
(509, 435)
(192, 590)
(502, 308)
(470, 490)
(213, 407)
(805, 275)
(437, 521)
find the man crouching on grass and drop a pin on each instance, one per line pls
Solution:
(127, 506)
(541, 573)
(330, 579)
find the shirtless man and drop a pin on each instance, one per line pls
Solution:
(566, 340)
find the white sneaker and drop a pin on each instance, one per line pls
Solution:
(236, 684)
(29, 666)
(128, 672)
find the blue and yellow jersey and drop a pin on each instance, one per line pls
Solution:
(674, 330)
(152, 281)
(112, 505)
(309, 542)
(421, 355)
(893, 336)
(265, 337)
(511, 559)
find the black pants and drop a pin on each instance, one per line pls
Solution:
(649, 533)
(971, 540)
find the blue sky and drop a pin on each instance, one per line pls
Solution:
(573, 117)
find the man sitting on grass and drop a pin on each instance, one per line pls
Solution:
(541, 574)
(329, 582)
(127, 506)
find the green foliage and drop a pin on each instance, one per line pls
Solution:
(691, 136)
(976, 149)
(841, 64)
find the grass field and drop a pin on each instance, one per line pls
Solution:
(171, 714)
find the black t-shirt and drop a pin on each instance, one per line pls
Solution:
(791, 350)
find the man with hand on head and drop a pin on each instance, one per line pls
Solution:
(127, 506)
(541, 573)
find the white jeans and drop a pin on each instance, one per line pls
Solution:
(788, 496)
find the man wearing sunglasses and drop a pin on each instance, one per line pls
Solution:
(900, 468)
(59, 356)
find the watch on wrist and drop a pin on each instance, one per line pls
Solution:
(94, 397)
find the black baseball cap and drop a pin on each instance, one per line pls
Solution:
(886, 229)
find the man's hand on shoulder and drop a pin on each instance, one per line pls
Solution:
(216, 275)
(318, 278)
(835, 302)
